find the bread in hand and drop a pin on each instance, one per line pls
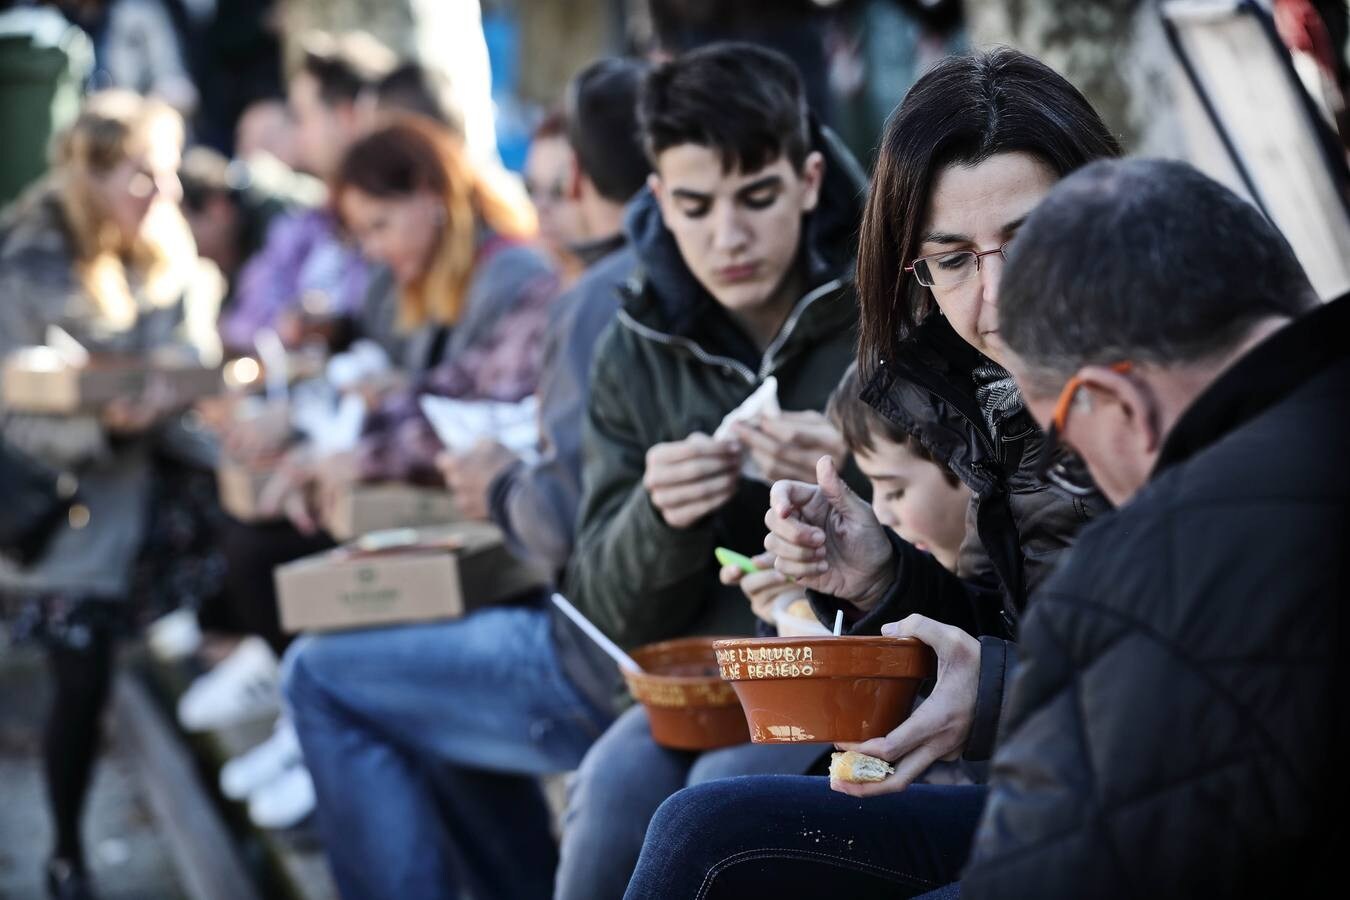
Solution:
(859, 768)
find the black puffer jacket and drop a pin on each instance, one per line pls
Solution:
(1017, 527)
(1176, 728)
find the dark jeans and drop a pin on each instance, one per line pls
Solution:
(780, 835)
(624, 779)
(248, 604)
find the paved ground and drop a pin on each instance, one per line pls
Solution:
(129, 858)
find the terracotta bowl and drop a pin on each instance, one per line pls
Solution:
(824, 688)
(688, 704)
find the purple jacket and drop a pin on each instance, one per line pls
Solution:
(302, 253)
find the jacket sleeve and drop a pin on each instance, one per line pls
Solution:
(536, 504)
(632, 574)
(998, 663)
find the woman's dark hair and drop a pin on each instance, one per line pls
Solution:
(963, 111)
(743, 101)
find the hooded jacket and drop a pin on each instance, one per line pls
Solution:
(1176, 728)
(673, 364)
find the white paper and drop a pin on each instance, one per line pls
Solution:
(329, 429)
(763, 403)
(361, 361)
(276, 365)
(71, 351)
(460, 423)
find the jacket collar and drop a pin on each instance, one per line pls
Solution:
(1260, 379)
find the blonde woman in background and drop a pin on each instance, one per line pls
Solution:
(99, 249)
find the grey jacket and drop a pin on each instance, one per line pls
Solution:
(39, 288)
(536, 504)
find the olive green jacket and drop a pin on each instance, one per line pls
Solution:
(667, 368)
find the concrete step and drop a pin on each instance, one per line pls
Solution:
(233, 858)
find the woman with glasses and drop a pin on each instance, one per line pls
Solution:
(971, 150)
(98, 249)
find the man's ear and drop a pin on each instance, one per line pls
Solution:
(1129, 398)
(658, 190)
(813, 176)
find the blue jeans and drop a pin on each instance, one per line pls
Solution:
(785, 836)
(424, 743)
(620, 784)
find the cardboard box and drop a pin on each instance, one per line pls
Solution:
(442, 573)
(239, 486)
(377, 507)
(40, 380)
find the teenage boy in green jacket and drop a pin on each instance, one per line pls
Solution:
(744, 240)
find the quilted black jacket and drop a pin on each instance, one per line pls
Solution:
(1175, 728)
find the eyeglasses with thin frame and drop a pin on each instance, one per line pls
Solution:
(951, 267)
(1059, 419)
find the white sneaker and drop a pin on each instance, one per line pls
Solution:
(265, 763)
(175, 635)
(285, 801)
(243, 687)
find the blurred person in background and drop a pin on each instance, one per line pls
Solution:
(472, 290)
(99, 249)
(473, 304)
(265, 128)
(554, 697)
(141, 50)
(550, 170)
(229, 207)
(446, 37)
(415, 88)
(305, 272)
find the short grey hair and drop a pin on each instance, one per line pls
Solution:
(1142, 260)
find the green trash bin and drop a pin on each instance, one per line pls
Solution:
(44, 64)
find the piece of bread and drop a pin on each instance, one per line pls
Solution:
(859, 768)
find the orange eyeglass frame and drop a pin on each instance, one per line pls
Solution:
(1060, 418)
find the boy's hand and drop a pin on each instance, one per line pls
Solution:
(828, 538)
(762, 588)
(787, 446)
(690, 478)
(470, 474)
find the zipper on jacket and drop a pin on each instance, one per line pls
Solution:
(766, 363)
(726, 362)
